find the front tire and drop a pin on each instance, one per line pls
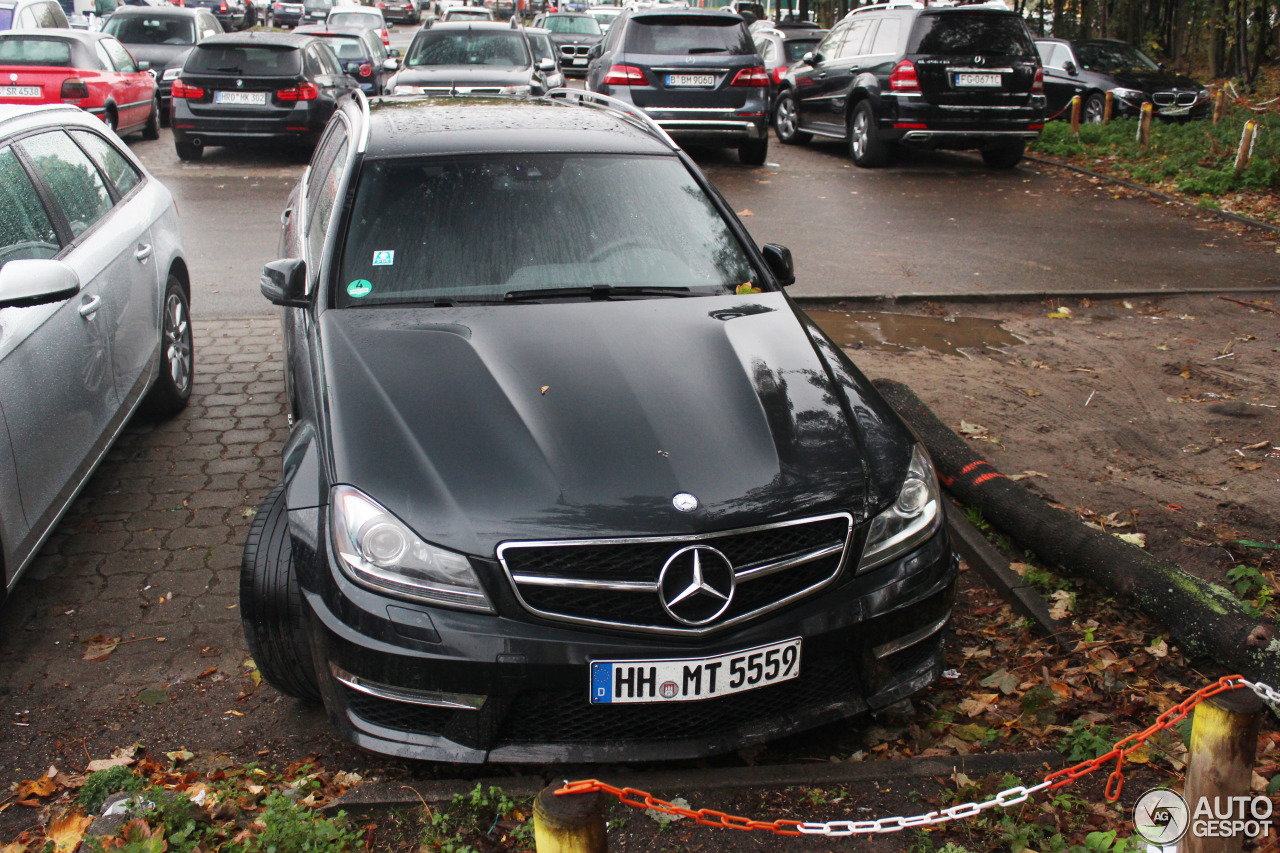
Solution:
(786, 121)
(109, 119)
(271, 604)
(753, 152)
(172, 389)
(1004, 156)
(152, 129)
(865, 146)
(1094, 106)
(188, 152)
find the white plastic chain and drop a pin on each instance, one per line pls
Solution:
(1009, 797)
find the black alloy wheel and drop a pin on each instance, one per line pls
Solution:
(865, 147)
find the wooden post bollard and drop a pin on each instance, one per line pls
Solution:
(1144, 126)
(573, 823)
(1224, 742)
(1109, 105)
(1246, 145)
(1219, 105)
(1075, 116)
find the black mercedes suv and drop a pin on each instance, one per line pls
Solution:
(589, 494)
(956, 77)
(696, 72)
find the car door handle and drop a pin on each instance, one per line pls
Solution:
(285, 217)
(143, 253)
(820, 75)
(90, 306)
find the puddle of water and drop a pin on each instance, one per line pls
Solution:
(897, 332)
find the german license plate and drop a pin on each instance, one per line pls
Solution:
(978, 80)
(617, 682)
(19, 91)
(579, 60)
(256, 99)
(704, 80)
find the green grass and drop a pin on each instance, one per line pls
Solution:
(1196, 158)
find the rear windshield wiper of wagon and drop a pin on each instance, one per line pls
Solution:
(594, 291)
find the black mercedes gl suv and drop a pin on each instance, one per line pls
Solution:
(604, 494)
(954, 77)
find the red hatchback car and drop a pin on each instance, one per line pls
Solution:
(92, 71)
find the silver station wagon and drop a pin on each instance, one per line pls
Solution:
(94, 296)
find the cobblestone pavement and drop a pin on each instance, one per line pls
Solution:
(151, 549)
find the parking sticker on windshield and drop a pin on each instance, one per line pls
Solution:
(384, 258)
(359, 288)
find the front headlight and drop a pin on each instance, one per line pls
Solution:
(1134, 95)
(913, 518)
(377, 548)
(171, 74)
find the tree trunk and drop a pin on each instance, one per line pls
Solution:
(1205, 619)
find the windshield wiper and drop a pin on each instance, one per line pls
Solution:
(594, 291)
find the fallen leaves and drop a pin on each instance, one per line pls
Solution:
(99, 647)
(67, 831)
(124, 756)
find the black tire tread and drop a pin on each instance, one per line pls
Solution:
(152, 129)
(164, 400)
(271, 605)
(754, 152)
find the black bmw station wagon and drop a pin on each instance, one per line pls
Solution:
(595, 493)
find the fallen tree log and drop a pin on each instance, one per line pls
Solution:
(1203, 618)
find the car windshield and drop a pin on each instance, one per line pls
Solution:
(244, 59)
(675, 35)
(797, 48)
(466, 47)
(971, 34)
(137, 29)
(6, 18)
(354, 19)
(475, 228)
(25, 50)
(347, 48)
(464, 14)
(582, 25)
(1114, 58)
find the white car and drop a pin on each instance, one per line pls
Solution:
(94, 312)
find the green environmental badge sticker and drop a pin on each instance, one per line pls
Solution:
(359, 287)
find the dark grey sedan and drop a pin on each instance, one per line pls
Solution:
(163, 36)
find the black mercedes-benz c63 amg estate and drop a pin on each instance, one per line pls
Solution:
(590, 492)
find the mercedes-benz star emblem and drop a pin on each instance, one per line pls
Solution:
(978, 60)
(696, 585)
(685, 502)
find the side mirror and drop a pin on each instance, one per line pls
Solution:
(390, 64)
(36, 281)
(144, 66)
(780, 264)
(597, 51)
(284, 282)
(395, 53)
(1070, 68)
(811, 58)
(546, 65)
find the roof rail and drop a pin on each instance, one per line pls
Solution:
(627, 111)
(365, 119)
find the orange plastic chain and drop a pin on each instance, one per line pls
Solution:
(1115, 782)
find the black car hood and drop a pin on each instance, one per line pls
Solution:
(465, 76)
(477, 425)
(573, 38)
(1153, 81)
(161, 56)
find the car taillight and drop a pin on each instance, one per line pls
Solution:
(903, 77)
(223, 7)
(625, 75)
(301, 92)
(365, 70)
(386, 37)
(74, 89)
(1037, 85)
(182, 90)
(778, 72)
(751, 77)
(278, 7)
